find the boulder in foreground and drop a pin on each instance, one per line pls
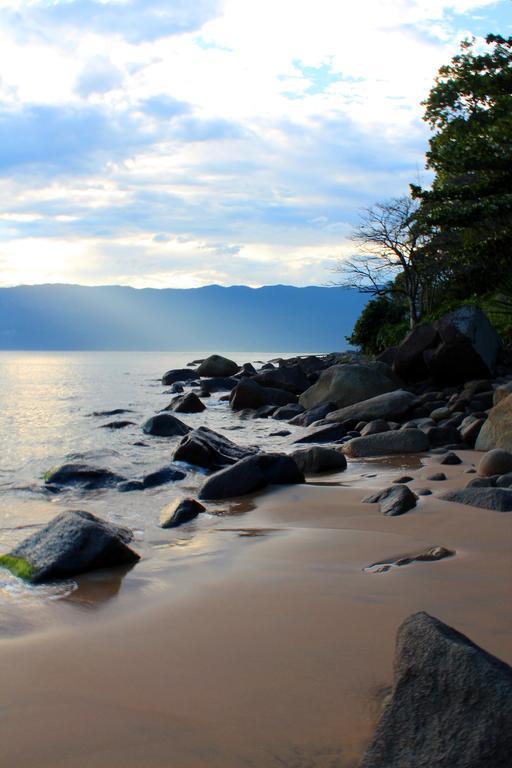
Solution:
(216, 365)
(318, 459)
(451, 704)
(387, 443)
(205, 448)
(251, 474)
(178, 375)
(189, 403)
(165, 425)
(72, 543)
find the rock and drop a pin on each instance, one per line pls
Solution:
(178, 374)
(349, 384)
(249, 394)
(495, 462)
(326, 433)
(387, 443)
(470, 430)
(318, 459)
(72, 543)
(114, 412)
(251, 474)
(392, 405)
(290, 378)
(287, 412)
(308, 417)
(438, 414)
(176, 388)
(85, 475)
(189, 403)
(280, 433)
(430, 555)
(219, 384)
(205, 448)
(117, 425)
(404, 479)
(374, 427)
(247, 369)
(409, 362)
(501, 392)
(437, 476)
(451, 703)
(216, 365)
(154, 479)
(468, 350)
(423, 492)
(498, 499)
(497, 430)
(165, 425)
(450, 458)
(504, 481)
(393, 501)
(439, 436)
(482, 482)
(180, 511)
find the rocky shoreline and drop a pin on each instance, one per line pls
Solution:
(445, 390)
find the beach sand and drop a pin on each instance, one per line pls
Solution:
(262, 643)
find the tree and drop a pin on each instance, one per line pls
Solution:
(393, 261)
(468, 210)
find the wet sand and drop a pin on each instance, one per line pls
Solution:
(260, 643)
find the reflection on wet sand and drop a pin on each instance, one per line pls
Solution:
(97, 588)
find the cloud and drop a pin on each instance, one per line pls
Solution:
(99, 76)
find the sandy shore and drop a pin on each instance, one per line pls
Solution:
(261, 643)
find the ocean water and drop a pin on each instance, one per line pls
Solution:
(46, 402)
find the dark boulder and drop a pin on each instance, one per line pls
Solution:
(178, 374)
(219, 384)
(189, 403)
(437, 477)
(216, 365)
(438, 436)
(84, 475)
(498, 499)
(72, 543)
(153, 480)
(306, 418)
(325, 433)
(387, 443)
(114, 412)
(176, 388)
(165, 425)
(250, 475)
(290, 378)
(409, 362)
(312, 461)
(249, 394)
(205, 448)
(450, 459)
(117, 425)
(179, 512)
(451, 703)
(393, 501)
(287, 412)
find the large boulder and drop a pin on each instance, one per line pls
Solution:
(178, 374)
(498, 499)
(189, 403)
(497, 430)
(387, 444)
(323, 433)
(71, 543)
(390, 406)
(451, 703)
(251, 474)
(408, 359)
(495, 462)
(205, 448)
(290, 378)
(317, 413)
(319, 458)
(393, 501)
(218, 384)
(468, 349)
(249, 394)
(216, 365)
(348, 384)
(85, 475)
(165, 425)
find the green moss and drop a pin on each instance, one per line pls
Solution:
(18, 566)
(47, 475)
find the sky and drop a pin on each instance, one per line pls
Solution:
(171, 143)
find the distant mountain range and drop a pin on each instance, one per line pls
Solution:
(277, 317)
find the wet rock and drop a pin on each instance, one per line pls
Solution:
(178, 375)
(404, 479)
(498, 499)
(437, 476)
(205, 448)
(287, 412)
(393, 501)
(72, 543)
(114, 412)
(451, 703)
(423, 492)
(176, 388)
(318, 459)
(218, 384)
(290, 378)
(430, 555)
(326, 433)
(387, 444)
(497, 430)
(85, 475)
(308, 417)
(495, 462)
(180, 511)
(153, 480)
(117, 425)
(250, 475)
(280, 433)
(189, 403)
(216, 365)
(392, 405)
(165, 425)
(249, 394)
(450, 459)
(349, 384)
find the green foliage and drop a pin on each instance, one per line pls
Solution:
(18, 566)
(382, 323)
